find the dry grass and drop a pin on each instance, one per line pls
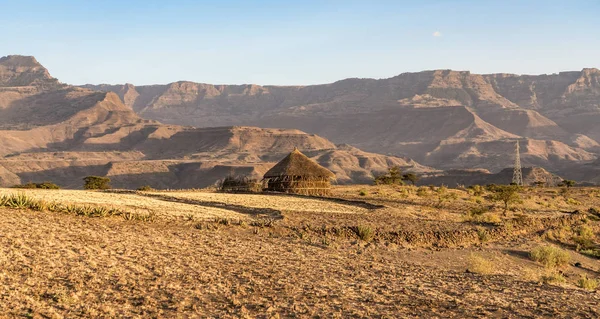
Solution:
(481, 265)
(550, 256)
(588, 283)
(234, 255)
(128, 202)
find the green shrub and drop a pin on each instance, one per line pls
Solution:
(591, 252)
(587, 283)
(392, 177)
(550, 256)
(96, 182)
(585, 237)
(553, 278)
(31, 185)
(364, 232)
(505, 194)
(478, 211)
(477, 190)
(145, 188)
(363, 192)
(422, 191)
(480, 265)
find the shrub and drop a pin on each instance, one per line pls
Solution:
(477, 190)
(392, 177)
(591, 252)
(587, 283)
(506, 194)
(410, 177)
(363, 192)
(364, 232)
(478, 211)
(550, 256)
(422, 191)
(567, 183)
(554, 278)
(96, 182)
(31, 185)
(585, 236)
(480, 265)
(145, 188)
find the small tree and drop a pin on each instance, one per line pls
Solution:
(507, 194)
(540, 184)
(96, 182)
(567, 183)
(412, 178)
(392, 177)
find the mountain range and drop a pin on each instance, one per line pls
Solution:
(425, 122)
(62, 133)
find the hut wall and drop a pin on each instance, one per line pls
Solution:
(241, 185)
(299, 185)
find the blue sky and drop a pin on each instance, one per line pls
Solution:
(297, 42)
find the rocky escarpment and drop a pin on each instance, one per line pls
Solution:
(443, 118)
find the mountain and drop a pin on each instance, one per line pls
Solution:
(445, 119)
(52, 131)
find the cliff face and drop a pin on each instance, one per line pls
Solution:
(443, 118)
(51, 131)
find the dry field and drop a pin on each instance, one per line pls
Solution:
(370, 252)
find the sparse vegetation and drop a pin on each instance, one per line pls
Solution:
(22, 201)
(567, 183)
(358, 233)
(364, 232)
(477, 190)
(410, 177)
(481, 265)
(588, 283)
(31, 185)
(145, 188)
(392, 177)
(553, 277)
(506, 194)
(550, 256)
(96, 183)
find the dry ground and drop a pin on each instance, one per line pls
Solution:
(305, 262)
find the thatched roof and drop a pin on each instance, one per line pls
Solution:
(298, 164)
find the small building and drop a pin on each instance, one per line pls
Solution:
(298, 174)
(244, 184)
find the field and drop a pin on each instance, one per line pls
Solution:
(366, 252)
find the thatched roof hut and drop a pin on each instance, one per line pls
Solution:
(298, 174)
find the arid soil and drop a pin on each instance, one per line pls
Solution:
(279, 261)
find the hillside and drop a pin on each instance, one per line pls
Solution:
(52, 131)
(442, 118)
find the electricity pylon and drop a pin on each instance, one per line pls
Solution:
(517, 172)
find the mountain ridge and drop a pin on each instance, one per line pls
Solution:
(63, 133)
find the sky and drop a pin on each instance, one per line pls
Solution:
(289, 42)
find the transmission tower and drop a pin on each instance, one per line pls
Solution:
(517, 172)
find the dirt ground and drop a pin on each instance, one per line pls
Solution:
(264, 259)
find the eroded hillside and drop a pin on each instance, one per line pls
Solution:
(52, 131)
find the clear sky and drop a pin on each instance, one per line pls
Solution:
(297, 42)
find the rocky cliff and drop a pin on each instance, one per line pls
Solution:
(52, 131)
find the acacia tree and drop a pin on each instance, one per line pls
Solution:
(412, 178)
(567, 183)
(507, 194)
(96, 182)
(392, 177)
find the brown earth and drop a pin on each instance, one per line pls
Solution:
(305, 262)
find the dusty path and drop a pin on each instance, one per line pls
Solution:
(64, 266)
